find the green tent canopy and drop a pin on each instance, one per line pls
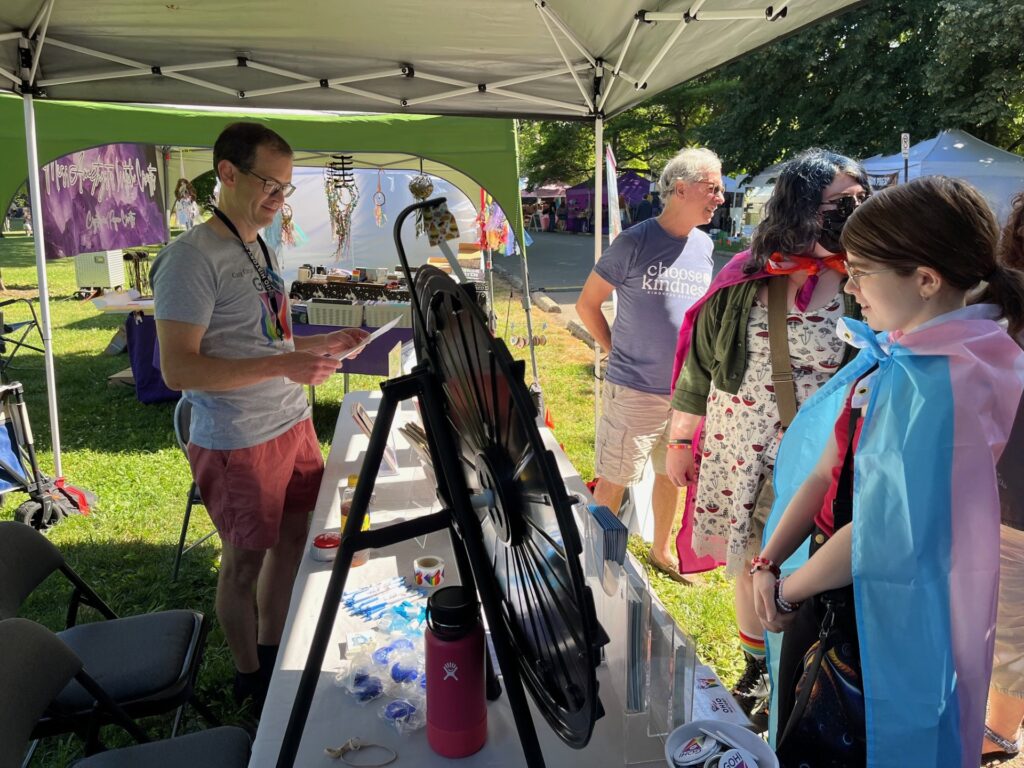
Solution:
(471, 153)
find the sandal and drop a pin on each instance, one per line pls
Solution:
(668, 569)
(1007, 749)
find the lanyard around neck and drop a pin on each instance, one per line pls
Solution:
(262, 273)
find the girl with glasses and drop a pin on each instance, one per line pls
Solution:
(891, 470)
(724, 377)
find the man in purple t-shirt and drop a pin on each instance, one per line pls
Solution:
(658, 269)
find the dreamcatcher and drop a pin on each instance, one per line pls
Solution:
(342, 197)
(379, 199)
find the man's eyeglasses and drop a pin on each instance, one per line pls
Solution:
(855, 274)
(270, 186)
(712, 187)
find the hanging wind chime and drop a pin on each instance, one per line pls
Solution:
(379, 199)
(420, 187)
(342, 197)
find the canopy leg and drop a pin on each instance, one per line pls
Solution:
(38, 232)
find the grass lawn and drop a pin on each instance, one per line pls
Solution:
(126, 453)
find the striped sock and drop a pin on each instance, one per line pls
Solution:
(752, 645)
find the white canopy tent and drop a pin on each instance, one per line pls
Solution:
(565, 59)
(997, 173)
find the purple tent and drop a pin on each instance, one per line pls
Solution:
(632, 186)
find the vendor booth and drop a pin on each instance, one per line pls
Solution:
(463, 156)
(998, 174)
(560, 59)
(580, 198)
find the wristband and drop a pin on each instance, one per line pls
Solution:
(679, 446)
(680, 441)
(782, 603)
(764, 564)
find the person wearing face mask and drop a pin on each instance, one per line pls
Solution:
(224, 327)
(781, 299)
(881, 561)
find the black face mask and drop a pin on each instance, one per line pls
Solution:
(833, 221)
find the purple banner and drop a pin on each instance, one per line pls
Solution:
(102, 199)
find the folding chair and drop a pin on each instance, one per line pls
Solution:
(13, 335)
(147, 663)
(182, 422)
(36, 666)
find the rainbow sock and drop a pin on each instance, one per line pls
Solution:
(752, 645)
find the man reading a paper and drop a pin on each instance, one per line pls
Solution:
(226, 341)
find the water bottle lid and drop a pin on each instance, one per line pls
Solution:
(453, 608)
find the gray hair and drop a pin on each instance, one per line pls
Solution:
(689, 165)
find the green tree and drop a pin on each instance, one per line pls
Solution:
(643, 138)
(977, 75)
(853, 83)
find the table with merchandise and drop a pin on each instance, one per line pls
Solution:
(649, 679)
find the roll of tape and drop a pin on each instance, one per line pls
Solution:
(429, 571)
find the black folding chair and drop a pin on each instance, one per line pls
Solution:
(182, 423)
(36, 666)
(13, 335)
(147, 663)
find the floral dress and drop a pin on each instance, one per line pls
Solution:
(741, 431)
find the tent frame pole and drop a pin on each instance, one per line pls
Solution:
(598, 224)
(38, 233)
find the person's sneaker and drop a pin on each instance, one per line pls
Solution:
(751, 691)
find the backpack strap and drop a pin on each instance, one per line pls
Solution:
(778, 345)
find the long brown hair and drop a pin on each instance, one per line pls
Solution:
(947, 225)
(1011, 245)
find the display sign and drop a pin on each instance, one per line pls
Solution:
(905, 144)
(102, 199)
(882, 180)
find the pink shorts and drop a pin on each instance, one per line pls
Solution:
(247, 491)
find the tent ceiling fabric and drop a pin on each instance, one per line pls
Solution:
(503, 57)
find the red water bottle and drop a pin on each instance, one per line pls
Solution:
(456, 707)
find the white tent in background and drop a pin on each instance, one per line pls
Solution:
(997, 173)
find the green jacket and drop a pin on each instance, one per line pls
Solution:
(718, 351)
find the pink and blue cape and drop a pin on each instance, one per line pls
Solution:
(925, 550)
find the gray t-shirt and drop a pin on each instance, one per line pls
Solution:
(657, 277)
(205, 279)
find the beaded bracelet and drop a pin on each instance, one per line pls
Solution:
(782, 603)
(764, 564)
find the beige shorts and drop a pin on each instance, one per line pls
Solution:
(1008, 665)
(633, 427)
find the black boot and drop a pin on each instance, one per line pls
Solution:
(751, 691)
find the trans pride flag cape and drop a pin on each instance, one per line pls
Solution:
(925, 525)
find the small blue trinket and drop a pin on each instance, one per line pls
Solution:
(399, 710)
